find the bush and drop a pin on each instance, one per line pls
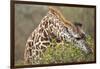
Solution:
(67, 53)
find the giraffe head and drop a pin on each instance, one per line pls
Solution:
(77, 36)
(70, 32)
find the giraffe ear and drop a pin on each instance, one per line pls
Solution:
(77, 24)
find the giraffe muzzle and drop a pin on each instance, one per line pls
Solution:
(89, 50)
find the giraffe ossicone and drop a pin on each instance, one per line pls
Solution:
(53, 25)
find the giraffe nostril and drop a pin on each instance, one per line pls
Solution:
(90, 51)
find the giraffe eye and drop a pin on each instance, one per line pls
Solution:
(78, 38)
(66, 29)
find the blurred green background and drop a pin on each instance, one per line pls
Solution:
(27, 18)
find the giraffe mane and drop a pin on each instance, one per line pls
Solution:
(57, 12)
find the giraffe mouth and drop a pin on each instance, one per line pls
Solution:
(84, 47)
(88, 50)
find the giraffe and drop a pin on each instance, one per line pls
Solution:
(53, 25)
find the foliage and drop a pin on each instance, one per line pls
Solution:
(67, 53)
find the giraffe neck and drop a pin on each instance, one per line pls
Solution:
(50, 26)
